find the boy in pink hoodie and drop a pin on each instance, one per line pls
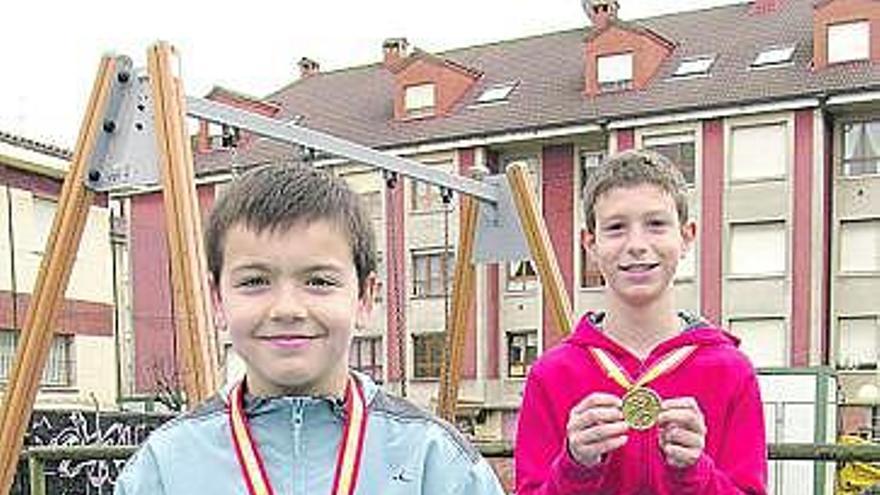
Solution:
(641, 399)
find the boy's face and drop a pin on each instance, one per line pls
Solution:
(290, 302)
(638, 242)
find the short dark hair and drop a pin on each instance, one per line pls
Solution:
(632, 168)
(274, 197)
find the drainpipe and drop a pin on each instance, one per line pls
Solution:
(116, 326)
(13, 287)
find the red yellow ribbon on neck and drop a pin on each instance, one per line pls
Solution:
(666, 364)
(351, 445)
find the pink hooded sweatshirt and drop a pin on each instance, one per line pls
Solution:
(717, 375)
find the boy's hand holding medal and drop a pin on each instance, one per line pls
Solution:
(682, 431)
(597, 425)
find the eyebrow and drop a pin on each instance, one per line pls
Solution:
(259, 266)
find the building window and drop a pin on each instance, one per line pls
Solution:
(875, 423)
(849, 41)
(759, 152)
(590, 162)
(222, 136)
(763, 340)
(234, 366)
(521, 276)
(860, 246)
(428, 354)
(419, 100)
(372, 201)
(432, 273)
(367, 357)
(679, 148)
(522, 350)
(59, 365)
(774, 56)
(698, 66)
(531, 162)
(757, 248)
(44, 215)
(861, 148)
(381, 276)
(425, 197)
(615, 72)
(591, 276)
(687, 266)
(858, 342)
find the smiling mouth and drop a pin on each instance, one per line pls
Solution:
(638, 267)
(289, 341)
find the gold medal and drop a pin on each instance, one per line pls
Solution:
(641, 406)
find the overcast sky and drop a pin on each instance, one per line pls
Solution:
(50, 50)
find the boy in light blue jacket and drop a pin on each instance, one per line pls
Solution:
(292, 260)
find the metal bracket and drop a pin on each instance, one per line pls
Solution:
(125, 155)
(499, 235)
(125, 152)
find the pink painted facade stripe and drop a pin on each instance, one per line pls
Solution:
(466, 159)
(394, 235)
(557, 191)
(802, 249)
(493, 325)
(711, 219)
(154, 338)
(626, 139)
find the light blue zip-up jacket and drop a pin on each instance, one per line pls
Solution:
(406, 450)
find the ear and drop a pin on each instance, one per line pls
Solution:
(588, 240)
(217, 304)
(688, 235)
(366, 301)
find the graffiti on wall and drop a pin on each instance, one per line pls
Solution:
(64, 429)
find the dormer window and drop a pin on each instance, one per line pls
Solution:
(222, 136)
(615, 72)
(698, 66)
(848, 41)
(496, 93)
(774, 56)
(419, 100)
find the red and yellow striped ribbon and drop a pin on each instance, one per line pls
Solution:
(350, 450)
(664, 365)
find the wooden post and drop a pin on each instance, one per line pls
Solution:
(535, 230)
(198, 345)
(462, 298)
(63, 244)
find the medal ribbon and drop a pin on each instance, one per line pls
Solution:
(350, 449)
(669, 362)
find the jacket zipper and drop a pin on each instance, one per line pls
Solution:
(299, 478)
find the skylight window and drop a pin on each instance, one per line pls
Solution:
(698, 66)
(774, 56)
(497, 92)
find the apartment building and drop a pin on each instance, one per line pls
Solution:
(771, 108)
(81, 368)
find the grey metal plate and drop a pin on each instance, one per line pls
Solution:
(125, 154)
(500, 236)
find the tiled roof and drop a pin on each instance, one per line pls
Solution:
(32, 145)
(356, 103)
